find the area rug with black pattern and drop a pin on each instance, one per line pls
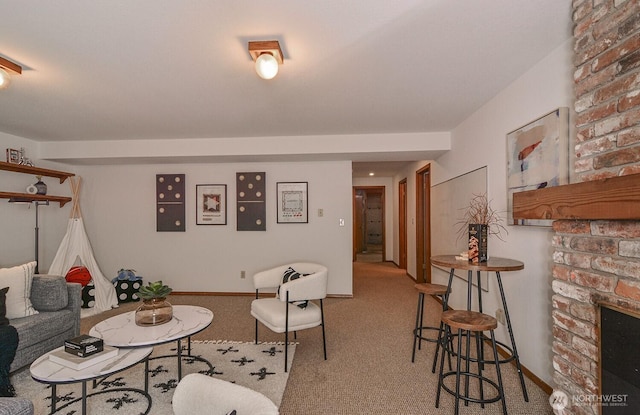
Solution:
(259, 367)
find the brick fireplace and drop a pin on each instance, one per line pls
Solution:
(597, 263)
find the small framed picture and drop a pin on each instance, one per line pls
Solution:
(13, 156)
(211, 204)
(292, 202)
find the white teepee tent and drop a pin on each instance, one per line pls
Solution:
(75, 249)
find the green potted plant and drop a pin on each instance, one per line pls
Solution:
(480, 221)
(155, 309)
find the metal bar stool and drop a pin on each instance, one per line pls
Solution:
(466, 323)
(441, 291)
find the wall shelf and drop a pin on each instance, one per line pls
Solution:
(36, 171)
(26, 197)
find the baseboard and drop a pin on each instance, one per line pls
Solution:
(242, 294)
(212, 293)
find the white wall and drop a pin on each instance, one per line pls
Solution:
(480, 140)
(118, 205)
(389, 227)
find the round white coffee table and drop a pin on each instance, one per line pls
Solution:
(122, 331)
(47, 371)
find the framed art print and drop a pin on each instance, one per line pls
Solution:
(292, 202)
(13, 156)
(211, 204)
(537, 157)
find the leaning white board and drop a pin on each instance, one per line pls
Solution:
(448, 200)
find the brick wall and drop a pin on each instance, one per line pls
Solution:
(598, 261)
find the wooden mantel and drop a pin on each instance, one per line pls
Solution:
(615, 198)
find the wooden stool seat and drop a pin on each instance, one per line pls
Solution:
(469, 320)
(431, 289)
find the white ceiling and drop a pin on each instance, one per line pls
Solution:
(175, 69)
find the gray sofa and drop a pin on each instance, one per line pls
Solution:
(58, 303)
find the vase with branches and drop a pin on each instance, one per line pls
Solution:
(479, 221)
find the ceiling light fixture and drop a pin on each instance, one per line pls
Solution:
(267, 55)
(7, 66)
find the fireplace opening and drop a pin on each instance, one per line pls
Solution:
(619, 361)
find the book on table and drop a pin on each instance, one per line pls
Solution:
(84, 345)
(78, 363)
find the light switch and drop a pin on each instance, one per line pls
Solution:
(341, 222)
(320, 213)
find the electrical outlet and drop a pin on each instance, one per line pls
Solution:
(500, 316)
(243, 274)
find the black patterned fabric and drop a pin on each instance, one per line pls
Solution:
(289, 275)
(3, 307)
(8, 345)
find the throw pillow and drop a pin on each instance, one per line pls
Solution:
(18, 279)
(289, 275)
(49, 293)
(3, 307)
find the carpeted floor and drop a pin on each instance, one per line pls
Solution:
(369, 341)
(258, 367)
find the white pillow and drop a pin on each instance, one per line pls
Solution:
(18, 279)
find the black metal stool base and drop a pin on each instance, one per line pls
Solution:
(464, 375)
(469, 398)
(418, 331)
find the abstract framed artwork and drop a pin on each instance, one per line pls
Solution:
(211, 204)
(251, 212)
(292, 199)
(537, 157)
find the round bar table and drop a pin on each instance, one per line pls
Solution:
(496, 265)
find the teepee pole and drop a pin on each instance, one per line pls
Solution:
(75, 190)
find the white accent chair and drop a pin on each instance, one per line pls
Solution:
(198, 394)
(279, 314)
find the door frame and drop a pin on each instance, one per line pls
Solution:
(402, 224)
(373, 189)
(423, 224)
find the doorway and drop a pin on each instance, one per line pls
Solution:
(423, 225)
(369, 224)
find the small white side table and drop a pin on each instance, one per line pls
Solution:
(46, 371)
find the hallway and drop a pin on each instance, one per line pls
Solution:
(372, 254)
